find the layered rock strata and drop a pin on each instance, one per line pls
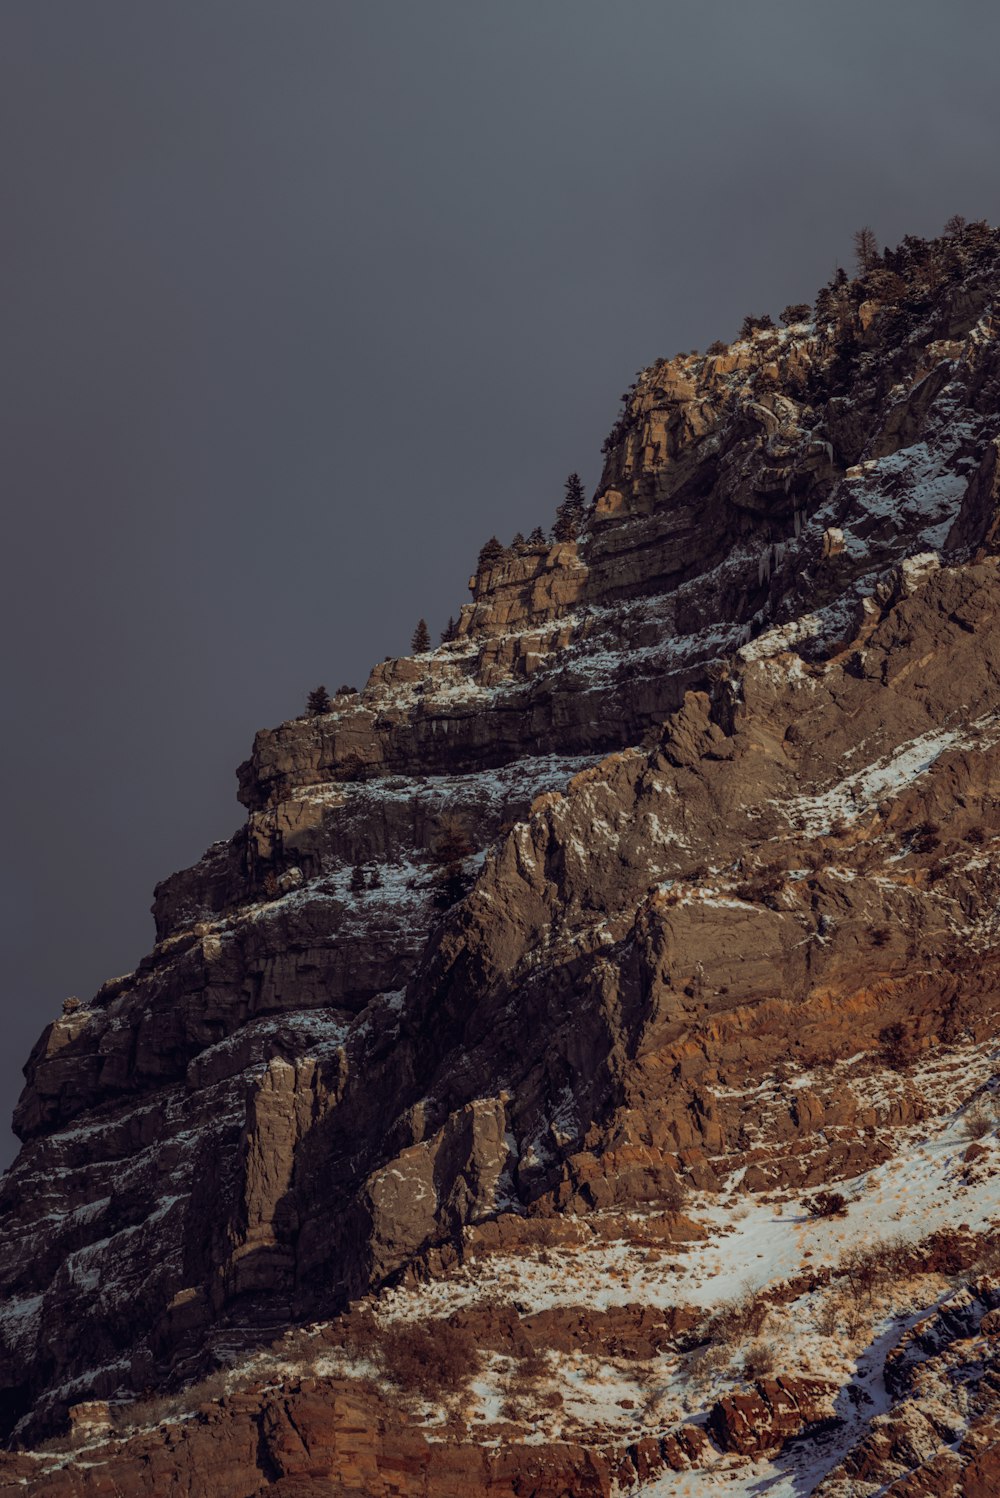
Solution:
(730, 767)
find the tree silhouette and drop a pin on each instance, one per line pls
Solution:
(489, 554)
(318, 702)
(569, 515)
(866, 251)
(421, 640)
(752, 325)
(796, 312)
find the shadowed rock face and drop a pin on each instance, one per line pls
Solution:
(730, 763)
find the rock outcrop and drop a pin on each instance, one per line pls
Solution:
(678, 868)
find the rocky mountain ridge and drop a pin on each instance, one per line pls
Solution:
(729, 766)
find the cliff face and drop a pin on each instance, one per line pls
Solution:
(730, 766)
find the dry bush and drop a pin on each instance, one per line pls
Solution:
(855, 1319)
(863, 1272)
(532, 1367)
(160, 1407)
(879, 936)
(760, 1358)
(360, 1336)
(827, 1204)
(672, 1196)
(829, 1317)
(738, 1319)
(431, 1360)
(981, 1117)
(876, 1266)
(976, 836)
(704, 1362)
(297, 1346)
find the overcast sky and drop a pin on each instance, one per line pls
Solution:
(300, 301)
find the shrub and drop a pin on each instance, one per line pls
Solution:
(879, 935)
(752, 325)
(829, 1316)
(160, 1407)
(854, 1318)
(874, 1267)
(533, 1366)
(827, 1204)
(704, 1362)
(737, 1319)
(976, 836)
(430, 1360)
(981, 1117)
(760, 1358)
(796, 312)
(717, 347)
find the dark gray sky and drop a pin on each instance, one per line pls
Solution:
(300, 301)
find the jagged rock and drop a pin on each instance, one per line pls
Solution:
(772, 1411)
(728, 766)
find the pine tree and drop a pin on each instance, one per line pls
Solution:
(450, 631)
(375, 882)
(358, 880)
(517, 542)
(569, 515)
(537, 537)
(421, 639)
(318, 702)
(796, 312)
(489, 554)
(866, 252)
(752, 325)
(824, 305)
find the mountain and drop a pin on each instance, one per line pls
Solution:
(579, 1072)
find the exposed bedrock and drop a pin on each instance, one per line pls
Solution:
(723, 781)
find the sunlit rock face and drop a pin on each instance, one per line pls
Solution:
(578, 1070)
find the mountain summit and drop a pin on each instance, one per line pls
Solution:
(578, 1074)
